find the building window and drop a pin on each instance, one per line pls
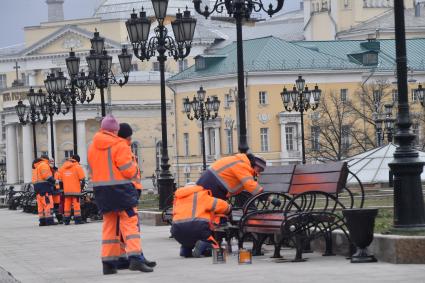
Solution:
(394, 94)
(186, 144)
(415, 129)
(211, 142)
(291, 137)
(134, 67)
(155, 66)
(227, 100)
(262, 98)
(158, 154)
(68, 153)
(229, 139)
(3, 81)
(414, 95)
(345, 137)
(46, 153)
(187, 177)
(25, 79)
(182, 65)
(200, 63)
(315, 135)
(343, 94)
(370, 59)
(264, 139)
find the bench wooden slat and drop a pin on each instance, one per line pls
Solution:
(276, 188)
(318, 168)
(285, 169)
(330, 188)
(332, 177)
(275, 178)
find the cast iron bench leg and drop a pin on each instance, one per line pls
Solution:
(299, 245)
(328, 241)
(277, 245)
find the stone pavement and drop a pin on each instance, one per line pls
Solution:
(71, 254)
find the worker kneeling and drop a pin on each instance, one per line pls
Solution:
(194, 210)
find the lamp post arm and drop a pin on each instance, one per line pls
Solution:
(205, 11)
(258, 6)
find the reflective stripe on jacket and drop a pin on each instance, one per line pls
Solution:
(71, 174)
(42, 178)
(229, 176)
(193, 212)
(112, 170)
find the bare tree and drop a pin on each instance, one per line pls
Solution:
(334, 132)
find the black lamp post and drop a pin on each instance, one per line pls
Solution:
(100, 64)
(36, 112)
(407, 168)
(178, 48)
(300, 99)
(203, 110)
(240, 10)
(53, 106)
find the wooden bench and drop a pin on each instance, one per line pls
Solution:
(300, 203)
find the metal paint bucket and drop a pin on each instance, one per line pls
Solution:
(219, 255)
(244, 256)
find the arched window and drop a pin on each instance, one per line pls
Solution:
(135, 151)
(158, 149)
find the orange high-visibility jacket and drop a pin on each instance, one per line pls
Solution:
(42, 178)
(196, 204)
(56, 189)
(137, 181)
(229, 176)
(71, 174)
(112, 170)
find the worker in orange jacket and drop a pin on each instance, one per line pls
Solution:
(73, 178)
(231, 175)
(194, 210)
(112, 171)
(43, 182)
(57, 193)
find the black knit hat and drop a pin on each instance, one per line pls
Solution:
(76, 157)
(125, 131)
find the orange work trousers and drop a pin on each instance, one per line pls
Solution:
(44, 207)
(74, 202)
(120, 235)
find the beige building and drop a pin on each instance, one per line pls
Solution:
(339, 68)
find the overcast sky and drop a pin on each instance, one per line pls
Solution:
(17, 14)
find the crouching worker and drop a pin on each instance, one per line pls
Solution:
(193, 212)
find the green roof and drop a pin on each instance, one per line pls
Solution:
(274, 54)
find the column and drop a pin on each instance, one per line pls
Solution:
(11, 154)
(206, 141)
(81, 143)
(217, 143)
(49, 143)
(31, 78)
(27, 152)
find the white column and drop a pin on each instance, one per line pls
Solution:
(81, 143)
(11, 154)
(27, 152)
(31, 78)
(49, 139)
(206, 141)
(283, 151)
(217, 143)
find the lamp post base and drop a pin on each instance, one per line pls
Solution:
(408, 197)
(165, 191)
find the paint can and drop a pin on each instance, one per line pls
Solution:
(244, 256)
(219, 255)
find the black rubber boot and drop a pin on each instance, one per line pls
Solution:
(78, 220)
(150, 263)
(138, 264)
(108, 268)
(42, 222)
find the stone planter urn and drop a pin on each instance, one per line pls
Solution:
(360, 223)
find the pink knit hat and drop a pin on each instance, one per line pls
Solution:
(110, 124)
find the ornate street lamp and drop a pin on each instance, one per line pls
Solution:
(203, 110)
(161, 43)
(54, 100)
(301, 99)
(100, 64)
(35, 113)
(240, 10)
(407, 167)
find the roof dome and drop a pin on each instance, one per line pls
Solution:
(121, 9)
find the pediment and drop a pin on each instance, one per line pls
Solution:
(63, 40)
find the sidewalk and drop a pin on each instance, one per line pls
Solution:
(72, 254)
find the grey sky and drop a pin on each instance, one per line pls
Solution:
(17, 14)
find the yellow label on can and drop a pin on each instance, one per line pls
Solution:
(245, 256)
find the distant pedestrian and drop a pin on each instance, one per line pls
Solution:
(43, 182)
(112, 170)
(71, 174)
